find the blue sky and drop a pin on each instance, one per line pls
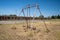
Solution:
(47, 7)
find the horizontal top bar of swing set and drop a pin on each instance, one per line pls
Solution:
(31, 6)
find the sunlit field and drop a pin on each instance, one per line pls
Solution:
(36, 31)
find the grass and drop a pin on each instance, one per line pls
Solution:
(6, 32)
(57, 35)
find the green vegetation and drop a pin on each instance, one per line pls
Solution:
(12, 15)
(51, 17)
(55, 17)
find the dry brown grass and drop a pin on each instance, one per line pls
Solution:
(20, 32)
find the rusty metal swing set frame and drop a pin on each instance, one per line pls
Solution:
(28, 14)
